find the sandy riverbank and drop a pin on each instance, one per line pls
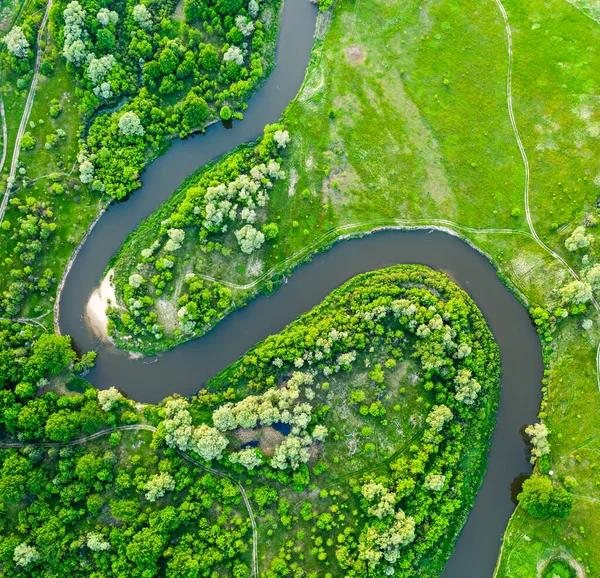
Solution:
(95, 310)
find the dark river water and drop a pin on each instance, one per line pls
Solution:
(186, 368)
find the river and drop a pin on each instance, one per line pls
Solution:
(186, 368)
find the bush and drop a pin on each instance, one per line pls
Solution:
(543, 499)
(225, 113)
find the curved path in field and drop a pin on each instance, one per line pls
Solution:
(187, 367)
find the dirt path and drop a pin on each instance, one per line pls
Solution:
(185, 456)
(28, 320)
(26, 113)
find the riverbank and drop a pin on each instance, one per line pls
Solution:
(95, 311)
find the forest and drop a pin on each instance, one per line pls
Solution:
(368, 401)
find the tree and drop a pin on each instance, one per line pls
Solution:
(249, 239)
(142, 16)
(176, 237)
(234, 54)
(281, 138)
(168, 61)
(16, 43)
(98, 68)
(229, 6)
(51, 355)
(74, 49)
(208, 57)
(108, 397)
(96, 543)
(27, 142)
(225, 113)
(578, 239)
(245, 26)
(592, 276)
(25, 555)
(291, 452)
(539, 440)
(86, 171)
(576, 292)
(253, 8)
(320, 433)
(130, 124)
(195, 110)
(250, 458)
(434, 482)
(135, 280)
(208, 442)
(438, 417)
(543, 499)
(224, 418)
(467, 388)
(106, 17)
(270, 231)
(158, 485)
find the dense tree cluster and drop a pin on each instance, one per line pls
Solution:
(422, 498)
(228, 197)
(174, 75)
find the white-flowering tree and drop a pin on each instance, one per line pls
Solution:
(96, 542)
(158, 485)
(320, 433)
(106, 17)
(439, 416)
(135, 280)
(253, 8)
(177, 424)
(249, 239)
(281, 138)
(578, 239)
(98, 68)
(176, 237)
(467, 388)
(538, 433)
(576, 292)
(381, 500)
(224, 418)
(108, 397)
(234, 54)
(291, 452)
(142, 16)
(103, 90)
(208, 442)
(464, 350)
(24, 555)
(86, 171)
(130, 124)
(245, 26)
(385, 545)
(74, 49)
(592, 276)
(16, 42)
(434, 482)
(250, 458)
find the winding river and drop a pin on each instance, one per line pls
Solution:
(187, 367)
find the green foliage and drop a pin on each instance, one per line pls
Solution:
(544, 499)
